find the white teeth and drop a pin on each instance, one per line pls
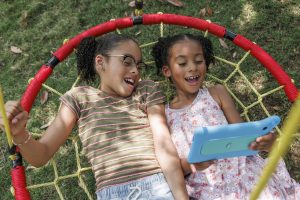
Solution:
(192, 77)
(129, 80)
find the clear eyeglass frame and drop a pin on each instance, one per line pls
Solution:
(129, 61)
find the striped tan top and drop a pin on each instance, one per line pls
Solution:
(115, 132)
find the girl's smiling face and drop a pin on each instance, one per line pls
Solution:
(119, 69)
(186, 66)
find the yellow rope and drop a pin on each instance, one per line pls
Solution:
(280, 148)
(6, 124)
(5, 120)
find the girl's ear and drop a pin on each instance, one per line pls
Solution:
(166, 71)
(99, 59)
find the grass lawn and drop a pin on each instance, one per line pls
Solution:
(31, 30)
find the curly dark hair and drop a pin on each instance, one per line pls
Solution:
(160, 50)
(89, 47)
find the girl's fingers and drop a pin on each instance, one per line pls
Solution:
(14, 114)
(13, 108)
(261, 146)
(19, 123)
(14, 104)
(204, 165)
(21, 117)
(269, 137)
(193, 168)
(265, 146)
(253, 145)
(264, 142)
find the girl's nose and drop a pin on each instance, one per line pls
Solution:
(134, 69)
(193, 67)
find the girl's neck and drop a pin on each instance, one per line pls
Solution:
(182, 99)
(110, 94)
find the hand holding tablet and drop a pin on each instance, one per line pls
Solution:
(230, 140)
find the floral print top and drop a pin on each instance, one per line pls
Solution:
(227, 179)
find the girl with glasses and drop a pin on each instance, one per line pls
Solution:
(121, 125)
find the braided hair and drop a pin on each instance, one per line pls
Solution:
(90, 47)
(161, 49)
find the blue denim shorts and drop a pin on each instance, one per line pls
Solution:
(152, 187)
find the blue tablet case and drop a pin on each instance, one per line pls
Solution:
(231, 140)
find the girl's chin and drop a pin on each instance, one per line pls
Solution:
(193, 86)
(128, 89)
(193, 90)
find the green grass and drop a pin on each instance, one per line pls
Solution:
(40, 28)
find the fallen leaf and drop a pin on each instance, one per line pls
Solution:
(223, 44)
(15, 49)
(209, 11)
(234, 54)
(131, 4)
(202, 13)
(44, 97)
(175, 3)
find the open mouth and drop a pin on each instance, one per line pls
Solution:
(129, 81)
(192, 79)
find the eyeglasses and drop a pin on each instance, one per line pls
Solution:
(129, 61)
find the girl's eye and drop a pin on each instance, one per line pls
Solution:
(181, 64)
(128, 61)
(199, 61)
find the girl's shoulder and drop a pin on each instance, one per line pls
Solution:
(217, 92)
(147, 85)
(146, 82)
(82, 90)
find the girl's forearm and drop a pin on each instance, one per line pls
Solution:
(166, 152)
(171, 168)
(34, 152)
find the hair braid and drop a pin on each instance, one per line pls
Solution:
(85, 59)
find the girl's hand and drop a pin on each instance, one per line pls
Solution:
(263, 143)
(17, 119)
(189, 168)
(201, 166)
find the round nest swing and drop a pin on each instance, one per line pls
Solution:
(253, 108)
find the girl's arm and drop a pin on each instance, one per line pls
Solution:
(39, 152)
(223, 98)
(165, 151)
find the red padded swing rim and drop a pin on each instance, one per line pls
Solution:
(65, 50)
(148, 19)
